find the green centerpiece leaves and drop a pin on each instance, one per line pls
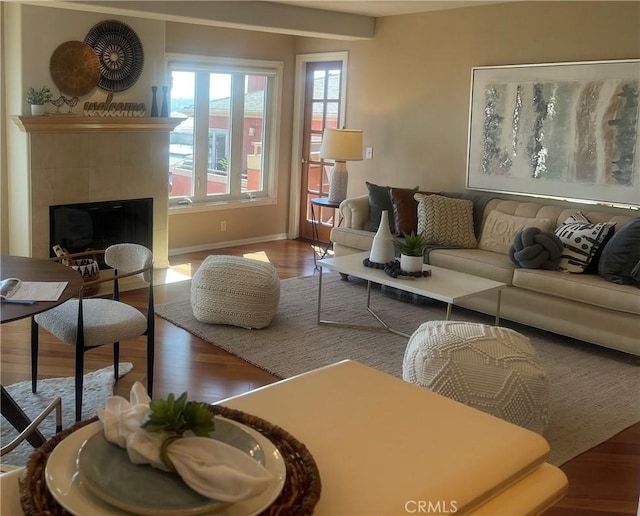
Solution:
(198, 419)
(412, 245)
(178, 416)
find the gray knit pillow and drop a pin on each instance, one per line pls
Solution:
(446, 221)
(535, 249)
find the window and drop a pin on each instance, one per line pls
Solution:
(225, 149)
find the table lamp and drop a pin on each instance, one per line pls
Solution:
(340, 145)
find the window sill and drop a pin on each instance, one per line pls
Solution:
(183, 209)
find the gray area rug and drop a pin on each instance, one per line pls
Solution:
(594, 391)
(98, 385)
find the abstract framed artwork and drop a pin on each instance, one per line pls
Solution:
(563, 131)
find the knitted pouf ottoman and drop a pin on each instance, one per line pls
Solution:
(236, 291)
(493, 369)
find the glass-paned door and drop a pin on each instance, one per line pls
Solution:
(322, 107)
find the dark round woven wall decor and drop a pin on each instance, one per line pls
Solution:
(120, 53)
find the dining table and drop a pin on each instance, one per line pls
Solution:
(32, 269)
(381, 446)
(387, 446)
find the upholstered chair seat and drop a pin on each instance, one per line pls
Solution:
(105, 321)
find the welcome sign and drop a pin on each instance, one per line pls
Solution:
(109, 108)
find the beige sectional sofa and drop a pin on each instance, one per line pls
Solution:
(582, 306)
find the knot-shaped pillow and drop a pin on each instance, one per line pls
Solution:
(535, 249)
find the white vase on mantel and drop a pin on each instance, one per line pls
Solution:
(382, 249)
(37, 109)
(411, 263)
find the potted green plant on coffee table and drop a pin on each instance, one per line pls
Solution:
(411, 251)
(38, 98)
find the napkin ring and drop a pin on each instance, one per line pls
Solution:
(164, 455)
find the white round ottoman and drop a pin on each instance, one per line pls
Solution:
(236, 291)
(493, 369)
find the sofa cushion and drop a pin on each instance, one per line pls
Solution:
(581, 240)
(405, 209)
(446, 221)
(500, 229)
(620, 259)
(379, 201)
(584, 288)
(353, 238)
(481, 263)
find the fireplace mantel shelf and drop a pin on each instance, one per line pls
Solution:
(78, 123)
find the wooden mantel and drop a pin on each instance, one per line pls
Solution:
(78, 123)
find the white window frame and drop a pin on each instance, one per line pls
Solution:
(274, 71)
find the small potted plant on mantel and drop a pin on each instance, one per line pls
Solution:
(38, 98)
(411, 252)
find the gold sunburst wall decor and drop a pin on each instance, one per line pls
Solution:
(74, 68)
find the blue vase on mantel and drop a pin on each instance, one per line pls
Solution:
(154, 102)
(165, 102)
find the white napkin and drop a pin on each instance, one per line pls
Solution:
(212, 468)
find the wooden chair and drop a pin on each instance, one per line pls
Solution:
(87, 323)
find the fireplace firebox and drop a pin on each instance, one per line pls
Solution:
(97, 225)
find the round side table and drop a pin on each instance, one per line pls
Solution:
(321, 202)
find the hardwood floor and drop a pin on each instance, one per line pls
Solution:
(604, 480)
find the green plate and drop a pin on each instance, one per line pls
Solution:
(106, 471)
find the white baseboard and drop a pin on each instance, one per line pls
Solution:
(228, 243)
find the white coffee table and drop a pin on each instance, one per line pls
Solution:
(443, 285)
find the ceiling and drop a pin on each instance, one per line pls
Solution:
(333, 19)
(378, 8)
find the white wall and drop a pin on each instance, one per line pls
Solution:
(4, 224)
(32, 33)
(48, 27)
(409, 87)
(45, 28)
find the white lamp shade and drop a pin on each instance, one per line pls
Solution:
(342, 144)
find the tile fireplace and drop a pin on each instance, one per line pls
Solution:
(97, 225)
(80, 160)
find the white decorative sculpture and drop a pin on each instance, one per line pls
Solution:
(382, 249)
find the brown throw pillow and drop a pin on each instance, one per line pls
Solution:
(405, 209)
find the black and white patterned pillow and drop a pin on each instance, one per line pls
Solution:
(581, 240)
